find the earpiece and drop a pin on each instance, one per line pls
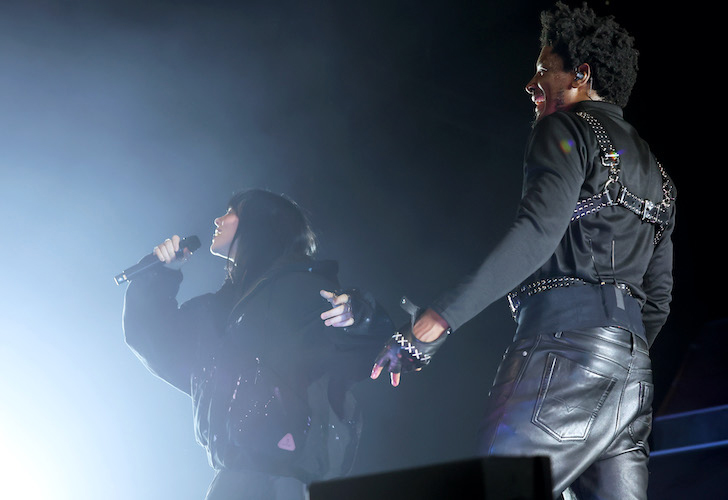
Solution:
(579, 75)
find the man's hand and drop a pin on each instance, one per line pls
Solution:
(390, 358)
(430, 326)
(411, 348)
(340, 315)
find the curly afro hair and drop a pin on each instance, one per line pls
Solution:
(579, 36)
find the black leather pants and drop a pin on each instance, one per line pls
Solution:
(582, 398)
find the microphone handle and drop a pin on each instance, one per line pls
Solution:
(150, 261)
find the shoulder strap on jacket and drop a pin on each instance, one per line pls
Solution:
(616, 194)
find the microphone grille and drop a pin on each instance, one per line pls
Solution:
(191, 243)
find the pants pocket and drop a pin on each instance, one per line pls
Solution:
(569, 398)
(641, 426)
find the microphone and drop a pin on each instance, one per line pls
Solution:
(151, 261)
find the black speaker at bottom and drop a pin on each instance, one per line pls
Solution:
(491, 478)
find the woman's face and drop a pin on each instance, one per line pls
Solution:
(222, 239)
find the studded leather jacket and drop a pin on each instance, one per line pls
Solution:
(562, 165)
(205, 347)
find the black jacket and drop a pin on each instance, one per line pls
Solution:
(213, 344)
(562, 165)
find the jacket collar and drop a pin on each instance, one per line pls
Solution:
(599, 106)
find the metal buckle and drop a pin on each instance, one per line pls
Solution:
(649, 211)
(513, 303)
(622, 195)
(610, 159)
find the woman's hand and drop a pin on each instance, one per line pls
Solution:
(340, 314)
(168, 252)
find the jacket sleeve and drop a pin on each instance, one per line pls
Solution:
(162, 335)
(554, 171)
(316, 347)
(371, 318)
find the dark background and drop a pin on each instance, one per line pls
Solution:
(398, 125)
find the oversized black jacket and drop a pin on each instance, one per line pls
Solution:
(562, 165)
(210, 345)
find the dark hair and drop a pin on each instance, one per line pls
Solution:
(579, 37)
(270, 226)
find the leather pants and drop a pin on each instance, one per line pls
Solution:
(584, 399)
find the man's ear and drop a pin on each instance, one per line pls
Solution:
(582, 75)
